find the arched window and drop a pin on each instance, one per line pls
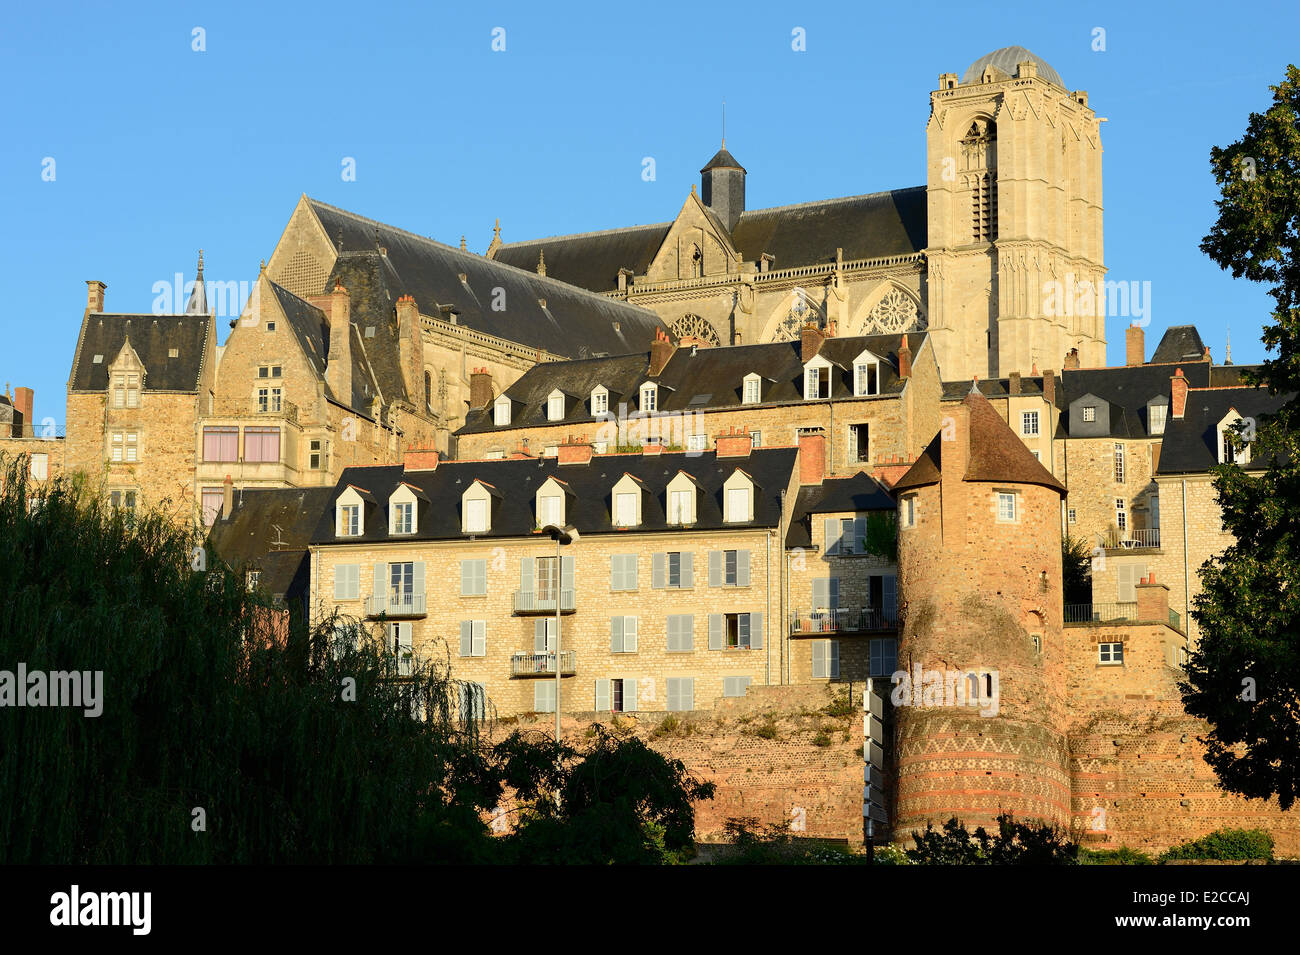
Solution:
(697, 262)
(979, 157)
(428, 391)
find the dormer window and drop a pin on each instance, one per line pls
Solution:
(1233, 449)
(476, 508)
(753, 390)
(599, 400)
(866, 375)
(738, 498)
(349, 514)
(817, 379)
(650, 397)
(403, 511)
(550, 503)
(501, 411)
(682, 497)
(555, 406)
(1089, 413)
(626, 502)
(1157, 415)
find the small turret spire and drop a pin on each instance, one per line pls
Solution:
(198, 303)
(1227, 358)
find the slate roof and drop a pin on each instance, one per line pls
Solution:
(309, 326)
(1127, 389)
(244, 540)
(996, 454)
(152, 337)
(722, 160)
(1179, 343)
(589, 508)
(861, 492)
(574, 323)
(865, 227)
(994, 388)
(1191, 444)
(711, 378)
(1006, 60)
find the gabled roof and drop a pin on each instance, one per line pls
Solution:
(308, 324)
(574, 322)
(1127, 390)
(1191, 443)
(153, 337)
(269, 531)
(859, 493)
(591, 484)
(699, 380)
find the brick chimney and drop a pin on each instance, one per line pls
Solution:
(23, 399)
(1178, 386)
(734, 443)
(1072, 359)
(1049, 388)
(652, 447)
(227, 497)
(575, 451)
(338, 367)
(812, 457)
(420, 459)
(810, 341)
(521, 450)
(1135, 346)
(1013, 383)
(1152, 600)
(905, 359)
(480, 388)
(95, 296)
(411, 349)
(1206, 357)
(661, 349)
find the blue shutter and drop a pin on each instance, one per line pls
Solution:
(756, 631)
(657, 571)
(832, 525)
(890, 594)
(716, 628)
(742, 568)
(834, 594)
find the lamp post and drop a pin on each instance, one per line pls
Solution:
(562, 537)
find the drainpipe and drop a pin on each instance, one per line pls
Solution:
(1187, 597)
(767, 620)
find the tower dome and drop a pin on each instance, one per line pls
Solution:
(1006, 60)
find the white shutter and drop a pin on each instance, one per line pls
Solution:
(688, 569)
(466, 577)
(657, 571)
(602, 695)
(717, 624)
(381, 581)
(466, 638)
(616, 635)
(756, 631)
(479, 638)
(687, 693)
(539, 635)
(629, 634)
(629, 694)
(742, 568)
(834, 595)
(832, 526)
(715, 568)
(417, 580)
(818, 659)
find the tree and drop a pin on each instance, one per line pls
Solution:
(1076, 570)
(1244, 676)
(1016, 843)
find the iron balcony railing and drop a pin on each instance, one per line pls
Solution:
(396, 605)
(842, 621)
(540, 664)
(532, 601)
(1100, 613)
(1176, 620)
(1140, 537)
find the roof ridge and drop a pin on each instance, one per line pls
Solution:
(584, 235)
(827, 202)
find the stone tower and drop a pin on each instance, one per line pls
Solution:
(979, 574)
(1013, 186)
(722, 187)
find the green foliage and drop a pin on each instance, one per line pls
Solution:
(1014, 844)
(1076, 570)
(840, 707)
(673, 725)
(882, 534)
(773, 845)
(822, 738)
(768, 730)
(1226, 844)
(1121, 856)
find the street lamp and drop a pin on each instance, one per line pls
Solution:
(562, 537)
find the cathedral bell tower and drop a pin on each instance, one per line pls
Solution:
(1015, 219)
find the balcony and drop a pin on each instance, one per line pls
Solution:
(819, 622)
(1100, 613)
(541, 664)
(396, 605)
(1134, 538)
(534, 602)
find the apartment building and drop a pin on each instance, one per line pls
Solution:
(41, 444)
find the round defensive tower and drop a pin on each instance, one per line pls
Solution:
(979, 575)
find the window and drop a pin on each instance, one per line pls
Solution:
(124, 500)
(681, 507)
(220, 444)
(1119, 464)
(825, 659)
(544, 635)
(753, 390)
(738, 504)
(1037, 456)
(907, 511)
(1006, 507)
(1037, 640)
(1128, 576)
(1029, 423)
(681, 694)
(473, 578)
(123, 446)
(625, 509)
(403, 517)
(866, 378)
(501, 411)
(347, 581)
(551, 451)
(884, 656)
(617, 695)
(600, 447)
(622, 634)
(1090, 413)
(729, 568)
(672, 570)
(1157, 415)
(697, 442)
(546, 578)
(349, 520)
(649, 398)
(126, 390)
(1072, 515)
(270, 326)
(473, 638)
(817, 382)
(476, 516)
(316, 454)
(212, 500)
(473, 702)
(401, 583)
(738, 630)
(261, 444)
(1121, 514)
(1110, 654)
(550, 509)
(757, 438)
(622, 572)
(40, 466)
(599, 401)
(555, 407)
(735, 685)
(544, 696)
(681, 633)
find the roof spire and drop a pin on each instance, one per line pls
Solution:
(974, 385)
(198, 303)
(1227, 360)
(462, 242)
(724, 124)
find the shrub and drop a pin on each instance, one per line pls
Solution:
(768, 730)
(839, 707)
(1121, 856)
(822, 738)
(773, 845)
(1226, 844)
(1014, 844)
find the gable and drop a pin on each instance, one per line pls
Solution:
(695, 227)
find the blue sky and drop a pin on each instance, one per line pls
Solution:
(160, 150)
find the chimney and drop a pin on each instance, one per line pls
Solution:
(661, 349)
(652, 447)
(480, 388)
(521, 451)
(420, 459)
(905, 359)
(411, 349)
(23, 399)
(1206, 358)
(810, 340)
(575, 451)
(227, 498)
(812, 457)
(1135, 345)
(1049, 388)
(1072, 359)
(734, 443)
(95, 296)
(338, 367)
(1152, 600)
(1178, 386)
(1013, 383)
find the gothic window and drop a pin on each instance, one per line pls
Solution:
(894, 313)
(802, 312)
(697, 262)
(428, 391)
(979, 167)
(442, 388)
(693, 326)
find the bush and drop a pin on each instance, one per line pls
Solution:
(773, 845)
(767, 730)
(822, 738)
(1121, 856)
(1015, 844)
(1226, 844)
(840, 707)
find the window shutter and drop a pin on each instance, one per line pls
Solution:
(602, 695)
(478, 632)
(715, 568)
(404, 642)
(742, 568)
(630, 626)
(821, 593)
(417, 578)
(716, 626)
(466, 639)
(688, 569)
(891, 596)
(615, 634)
(466, 577)
(526, 575)
(687, 693)
(657, 571)
(615, 572)
(381, 580)
(566, 572)
(832, 535)
(833, 593)
(629, 694)
(756, 631)
(340, 582)
(742, 630)
(835, 658)
(859, 535)
(539, 635)
(818, 659)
